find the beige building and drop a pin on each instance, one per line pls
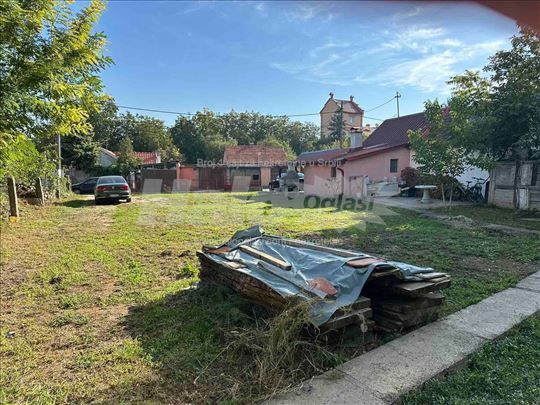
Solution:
(352, 114)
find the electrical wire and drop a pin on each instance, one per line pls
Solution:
(192, 114)
(386, 102)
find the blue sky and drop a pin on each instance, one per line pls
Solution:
(285, 57)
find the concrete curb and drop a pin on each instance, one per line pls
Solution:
(383, 375)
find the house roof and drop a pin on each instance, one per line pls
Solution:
(349, 106)
(369, 151)
(328, 154)
(148, 158)
(108, 152)
(394, 131)
(255, 155)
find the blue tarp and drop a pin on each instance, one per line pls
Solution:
(307, 264)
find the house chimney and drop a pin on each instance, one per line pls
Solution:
(351, 98)
(356, 139)
(331, 95)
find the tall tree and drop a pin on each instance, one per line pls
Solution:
(337, 128)
(437, 148)
(50, 61)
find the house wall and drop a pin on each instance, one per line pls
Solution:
(318, 181)
(105, 160)
(377, 167)
(326, 116)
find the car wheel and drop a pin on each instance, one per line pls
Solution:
(98, 202)
(129, 199)
(77, 191)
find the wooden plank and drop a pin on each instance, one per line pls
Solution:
(307, 245)
(407, 304)
(388, 325)
(361, 316)
(364, 262)
(266, 257)
(386, 273)
(430, 276)
(411, 318)
(360, 303)
(416, 288)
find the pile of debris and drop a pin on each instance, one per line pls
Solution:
(351, 292)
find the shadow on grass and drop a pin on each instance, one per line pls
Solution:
(185, 335)
(76, 203)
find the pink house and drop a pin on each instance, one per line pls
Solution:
(347, 171)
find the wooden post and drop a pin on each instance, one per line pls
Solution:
(39, 191)
(12, 192)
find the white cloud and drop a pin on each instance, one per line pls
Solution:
(420, 56)
(309, 11)
(404, 15)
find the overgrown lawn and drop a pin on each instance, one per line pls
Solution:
(101, 304)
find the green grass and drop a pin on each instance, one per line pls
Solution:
(495, 215)
(99, 297)
(506, 371)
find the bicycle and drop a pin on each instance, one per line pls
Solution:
(470, 193)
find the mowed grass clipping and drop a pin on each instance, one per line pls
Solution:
(98, 302)
(506, 371)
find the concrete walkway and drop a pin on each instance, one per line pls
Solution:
(414, 204)
(383, 375)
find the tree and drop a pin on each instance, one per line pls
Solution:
(437, 148)
(50, 61)
(127, 160)
(500, 113)
(337, 128)
(80, 152)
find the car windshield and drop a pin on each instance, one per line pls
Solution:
(111, 180)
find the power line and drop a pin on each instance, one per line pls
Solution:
(273, 116)
(386, 102)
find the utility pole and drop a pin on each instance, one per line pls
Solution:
(397, 102)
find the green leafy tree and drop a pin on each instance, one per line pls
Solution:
(336, 128)
(500, 112)
(50, 61)
(437, 148)
(127, 159)
(80, 152)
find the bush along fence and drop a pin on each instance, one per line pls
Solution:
(42, 191)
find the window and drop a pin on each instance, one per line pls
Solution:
(393, 165)
(255, 177)
(351, 120)
(333, 172)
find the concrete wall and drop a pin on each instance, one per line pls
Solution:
(318, 181)
(524, 194)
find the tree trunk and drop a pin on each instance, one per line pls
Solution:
(443, 196)
(450, 201)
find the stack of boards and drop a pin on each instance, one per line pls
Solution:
(387, 303)
(399, 305)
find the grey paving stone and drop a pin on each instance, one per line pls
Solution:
(497, 314)
(531, 282)
(406, 363)
(384, 374)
